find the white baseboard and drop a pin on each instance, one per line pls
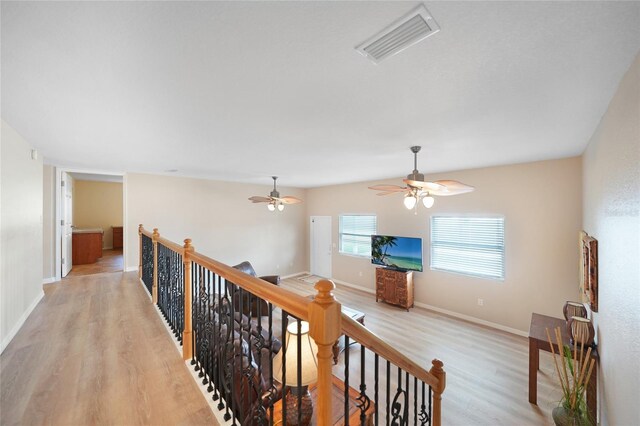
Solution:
(473, 319)
(49, 280)
(213, 405)
(16, 328)
(131, 269)
(354, 286)
(444, 311)
(284, 277)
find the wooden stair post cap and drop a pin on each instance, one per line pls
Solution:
(324, 288)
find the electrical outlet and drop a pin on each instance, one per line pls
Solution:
(480, 302)
(360, 273)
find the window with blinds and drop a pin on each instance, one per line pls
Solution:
(355, 234)
(468, 245)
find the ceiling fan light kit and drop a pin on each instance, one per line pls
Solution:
(274, 201)
(419, 189)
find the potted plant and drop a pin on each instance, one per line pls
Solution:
(574, 371)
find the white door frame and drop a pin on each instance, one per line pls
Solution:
(311, 245)
(58, 214)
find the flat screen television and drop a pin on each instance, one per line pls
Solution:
(401, 253)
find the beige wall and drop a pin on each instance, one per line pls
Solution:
(48, 223)
(221, 221)
(98, 205)
(611, 167)
(20, 233)
(541, 203)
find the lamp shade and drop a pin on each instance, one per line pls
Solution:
(280, 207)
(271, 207)
(410, 201)
(308, 351)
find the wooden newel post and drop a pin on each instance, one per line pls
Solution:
(440, 374)
(187, 342)
(140, 227)
(154, 292)
(325, 323)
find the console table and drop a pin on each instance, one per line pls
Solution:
(538, 340)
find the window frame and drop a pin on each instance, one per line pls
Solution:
(340, 234)
(467, 273)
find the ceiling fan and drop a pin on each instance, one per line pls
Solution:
(274, 199)
(418, 189)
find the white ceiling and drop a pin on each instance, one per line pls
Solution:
(245, 90)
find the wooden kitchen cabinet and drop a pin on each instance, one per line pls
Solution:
(117, 237)
(394, 287)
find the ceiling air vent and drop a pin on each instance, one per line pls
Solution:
(406, 31)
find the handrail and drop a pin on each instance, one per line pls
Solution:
(145, 232)
(171, 245)
(326, 324)
(371, 341)
(291, 302)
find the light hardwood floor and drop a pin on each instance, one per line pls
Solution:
(487, 369)
(111, 261)
(94, 351)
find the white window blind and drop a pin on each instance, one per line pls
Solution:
(468, 245)
(355, 234)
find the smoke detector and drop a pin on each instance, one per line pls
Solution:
(404, 32)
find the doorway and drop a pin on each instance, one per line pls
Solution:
(321, 247)
(90, 223)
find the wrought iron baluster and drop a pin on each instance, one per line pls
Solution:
(232, 327)
(430, 412)
(425, 418)
(346, 380)
(209, 332)
(398, 407)
(284, 367)
(388, 390)
(272, 390)
(299, 369)
(363, 400)
(415, 401)
(195, 268)
(407, 399)
(376, 379)
(216, 338)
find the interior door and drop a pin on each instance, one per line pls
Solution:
(67, 223)
(321, 249)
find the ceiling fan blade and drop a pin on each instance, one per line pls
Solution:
(388, 188)
(257, 199)
(428, 186)
(288, 199)
(387, 193)
(452, 187)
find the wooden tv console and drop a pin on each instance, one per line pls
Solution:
(394, 287)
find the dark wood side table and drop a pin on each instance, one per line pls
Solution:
(337, 408)
(538, 340)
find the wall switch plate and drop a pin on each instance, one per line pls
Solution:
(480, 302)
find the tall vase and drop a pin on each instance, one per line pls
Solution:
(563, 417)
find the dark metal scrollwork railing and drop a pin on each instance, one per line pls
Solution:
(235, 341)
(147, 262)
(171, 288)
(244, 339)
(388, 393)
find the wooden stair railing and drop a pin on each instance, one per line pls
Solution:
(224, 319)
